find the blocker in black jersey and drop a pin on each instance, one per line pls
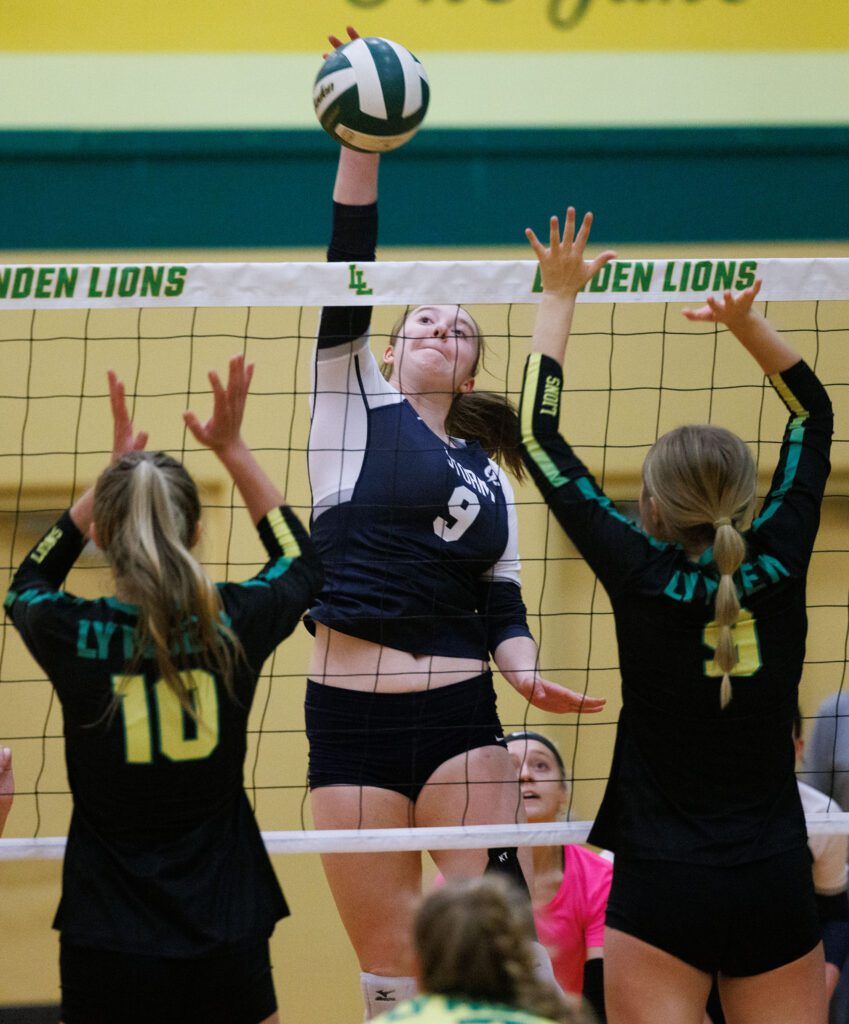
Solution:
(164, 856)
(690, 782)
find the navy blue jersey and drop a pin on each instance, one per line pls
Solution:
(412, 530)
(689, 781)
(164, 855)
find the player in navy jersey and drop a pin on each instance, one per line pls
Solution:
(416, 526)
(712, 873)
(168, 895)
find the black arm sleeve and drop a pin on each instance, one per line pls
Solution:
(35, 595)
(265, 609)
(614, 547)
(49, 562)
(594, 986)
(501, 605)
(354, 240)
(789, 519)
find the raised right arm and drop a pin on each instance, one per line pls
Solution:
(353, 240)
(608, 541)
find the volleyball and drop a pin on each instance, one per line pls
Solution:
(371, 94)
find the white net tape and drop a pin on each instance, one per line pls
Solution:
(109, 286)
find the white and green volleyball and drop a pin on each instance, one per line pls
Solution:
(371, 94)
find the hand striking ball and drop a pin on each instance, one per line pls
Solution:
(371, 94)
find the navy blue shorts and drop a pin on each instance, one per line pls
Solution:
(229, 987)
(395, 740)
(739, 920)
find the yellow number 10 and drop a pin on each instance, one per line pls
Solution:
(174, 743)
(744, 634)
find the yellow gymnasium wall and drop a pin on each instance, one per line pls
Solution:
(494, 63)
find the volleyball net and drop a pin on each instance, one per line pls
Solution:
(635, 368)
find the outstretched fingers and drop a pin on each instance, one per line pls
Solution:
(124, 437)
(336, 42)
(562, 265)
(600, 261)
(548, 696)
(228, 406)
(536, 244)
(731, 306)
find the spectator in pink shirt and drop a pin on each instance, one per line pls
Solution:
(571, 883)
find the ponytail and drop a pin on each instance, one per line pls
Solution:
(703, 480)
(147, 511)
(491, 420)
(729, 550)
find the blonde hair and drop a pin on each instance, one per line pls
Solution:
(703, 480)
(473, 940)
(483, 416)
(147, 510)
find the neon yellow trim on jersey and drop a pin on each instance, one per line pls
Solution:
(282, 532)
(534, 448)
(790, 400)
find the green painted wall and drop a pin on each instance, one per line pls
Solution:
(243, 188)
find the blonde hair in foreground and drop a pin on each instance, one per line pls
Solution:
(703, 480)
(147, 510)
(473, 940)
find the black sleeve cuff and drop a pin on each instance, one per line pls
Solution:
(282, 534)
(805, 387)
(354, 240)
(354, 237)
(505, 615)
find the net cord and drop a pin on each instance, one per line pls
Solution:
(383, 840)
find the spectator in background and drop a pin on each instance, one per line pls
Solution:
(829, 853)
(571, 883)
(825, 764)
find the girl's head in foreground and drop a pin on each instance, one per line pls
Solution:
(699, 485)
(473, 940)
(438, 350)
(543, 780)
(146, 520)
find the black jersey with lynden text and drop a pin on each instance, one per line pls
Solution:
(164, 855)
(689, 781)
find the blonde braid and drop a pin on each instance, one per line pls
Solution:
(703, 479)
